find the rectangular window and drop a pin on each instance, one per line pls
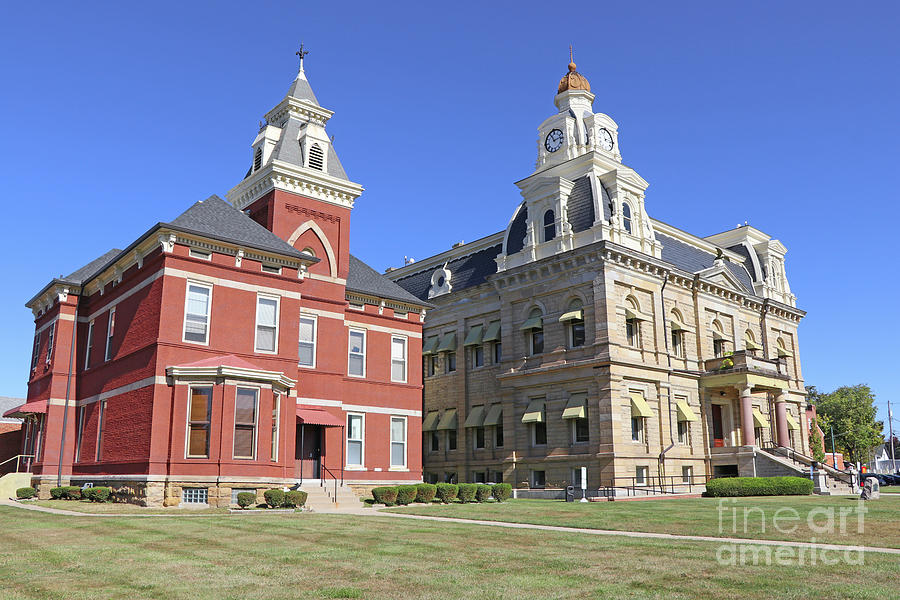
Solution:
(266, 324)
(498, 476)
(678, 343)
(498, 352)
(398, 359)
(538, 480)
(274, 269)
(199, 412)
(479, 477)
(539, 434)
(637, 429)
(307, 350)
(577, 333)
(449, 477)
(432, 365)
(537, 341)
(718, 348)
(357, 353)
(580, 430)
(355, 427)
(682, 432)
(196, 313)
(687, 474)
(479, 438)
(276, 424)
(35, 351)
(79, 432)
(450, 362)
(498, 435)
(576, 477)
(201, 254)
(245, 411)
(641, 475)
(50, 333)
(101, 423)
(435, 441)
(478, 356)
(110, 332)
(633, 332)
(398, 441)
(89, 345)
(194, 495)
(451, 439)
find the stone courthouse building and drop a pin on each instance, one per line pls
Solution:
(588, 334)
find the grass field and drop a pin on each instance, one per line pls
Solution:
(120, 508)
(699, 516)
(338, 556)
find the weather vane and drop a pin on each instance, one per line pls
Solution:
(301, 53)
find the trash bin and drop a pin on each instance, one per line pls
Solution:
(570, 493)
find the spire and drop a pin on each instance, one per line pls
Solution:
(573, 80)
(301, 89)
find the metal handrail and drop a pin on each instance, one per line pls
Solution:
(334, 478)
(802, 458)
(657, 484)
(18, 458)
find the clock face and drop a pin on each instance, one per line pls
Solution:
(554, 140)
(604, 139)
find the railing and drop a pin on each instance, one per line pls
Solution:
(333, 478)
(18, 458)
(741, 360)
(792, 454)
(654, 484)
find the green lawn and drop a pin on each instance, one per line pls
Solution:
(891, 489)
(338, 556)
(697, 516)
(119, 508)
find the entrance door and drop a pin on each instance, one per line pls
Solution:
(717, 427)
(309, 451)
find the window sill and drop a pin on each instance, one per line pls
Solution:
(399, 469)
(355, 468)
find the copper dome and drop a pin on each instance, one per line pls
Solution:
(573, 80)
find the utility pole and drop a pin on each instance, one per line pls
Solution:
(833, 459)
(891, 429)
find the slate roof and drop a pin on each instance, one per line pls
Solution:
(92, 268)
(692, 259)
(288, 150)
(581, 205)
(748, 263)
(364, 279)
(468, 271)
(7, 403)
(301, 89)
(516, 239)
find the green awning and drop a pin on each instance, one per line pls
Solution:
(494, 416)
(758, 419)
(679, 326)
(476, 417)
(474, 336)
(448, 343)
(533, 323)
(430, 422)
(639, 406)
(430, 346)
(448, 421)
(493, 332)
(534, 413)
(572, 315)
(685, 413)
(576, 407)
(630, 313)
(792, 423)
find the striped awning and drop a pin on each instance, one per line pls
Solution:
(572, 315)
(431, 345)
(317, 416)
(29, 408)
(639, 406)
(533, 323)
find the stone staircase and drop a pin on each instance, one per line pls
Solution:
(323, 499)
(778, 461)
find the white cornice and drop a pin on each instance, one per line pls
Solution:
(438, 260)
(695, 241)
(274, 377)
(298, 180)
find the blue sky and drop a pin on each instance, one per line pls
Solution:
(781, 114)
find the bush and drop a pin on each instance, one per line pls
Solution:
(294, 499)
(501, 491)
(759, 486)
(482, 492)
(73, 492)
(425, 492)
(57, 493)
(96, 494)
(26, 492)
(385, 495)
(467, 492)
(245, 499)
(274, 498)
(406, 494)
(446, 492)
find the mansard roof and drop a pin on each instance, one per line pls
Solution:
(288, 150)
(364, 279)
(301, 90)
(692, 259)
(468, 271)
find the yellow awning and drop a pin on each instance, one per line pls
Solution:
(782, 353)
(572, 315)
(475, 418)
(685, 413)
(493, 332)
(751, 345)
(494, 416)
(679, 326)
(792, 423)
(448, 343)
(576, 407)
(533, 323)
(430, 422)
(448, 421)
(474, 336)
(534, 413)
(632, 314)
(431, 344)
(639, 406)
(718, 335)
(758, 419)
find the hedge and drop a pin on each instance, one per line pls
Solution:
(245, 499)
(274, 498)
(294, 499)
(446, 492)
(57, 493)
(385, 495)
(26, 492)
(482, 492)
(501, 491)
(96, 494)
(758, 486)
(425, 492)
(467, 492)
(73, 492)
(406, 494)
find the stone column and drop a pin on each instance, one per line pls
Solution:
(748, 435)
(781, 426)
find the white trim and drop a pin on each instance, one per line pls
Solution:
(350, 353)
(230, 283)
(276, 426)
(110, 332)
(88, 345)
(405, 341)
(242, 375)
(382, 328)
(391, 443)
(187, 292)
(315, 338)
(187, 422)
(200, 254)
(124, 389)
(362, 440)
(234, 423)
(361, 408)
(329, 252)
(277, 300)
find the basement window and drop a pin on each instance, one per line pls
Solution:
(195, 495)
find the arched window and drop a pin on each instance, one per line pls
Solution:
(309, 251)
(574, 320)
(626, 217)
(534, 330)
(549, 226)
(782, 350)
(257, 159)
(677, 323)
(316, 157)
(632, 323)
(750, 342)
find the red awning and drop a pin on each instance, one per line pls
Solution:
(38, 407)
(317, 416)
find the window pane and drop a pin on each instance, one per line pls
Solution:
(245, 407)
(356, 341)
(398, 453)
(398, 349)
(354, 452)
(265, 311)
(356, 364)
(398, 430)
(198, 442)
(398, 371)
(306, 354)
(198, 300)
(307, 329)
(243, 442)
(265, 338)
(200, 398)
(355, 427)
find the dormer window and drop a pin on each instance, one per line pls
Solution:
(257, 159)
(626, 217)
(549, 226)
(316, 158)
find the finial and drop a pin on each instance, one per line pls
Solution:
(571, 59)
(301, 53)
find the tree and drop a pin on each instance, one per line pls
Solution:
(815, 441)
(851, 411)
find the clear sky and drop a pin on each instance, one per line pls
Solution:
(783, 114)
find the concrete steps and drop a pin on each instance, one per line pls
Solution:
(775, 463)
(323, 499)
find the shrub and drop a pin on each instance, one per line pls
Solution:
(482, 492)
(57, 493)
(425, 492)
(73, 492)
(274, 498)
(294, 499)
(26, 492)
(759, 486)
(467, 492)
(501, 491)
(406, 494)
(245, 499)
(446, 492)
(385, 495)
(96, 494)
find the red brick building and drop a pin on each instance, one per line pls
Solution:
(238, 347)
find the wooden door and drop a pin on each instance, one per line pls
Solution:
(308, 453)
(717, 426)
